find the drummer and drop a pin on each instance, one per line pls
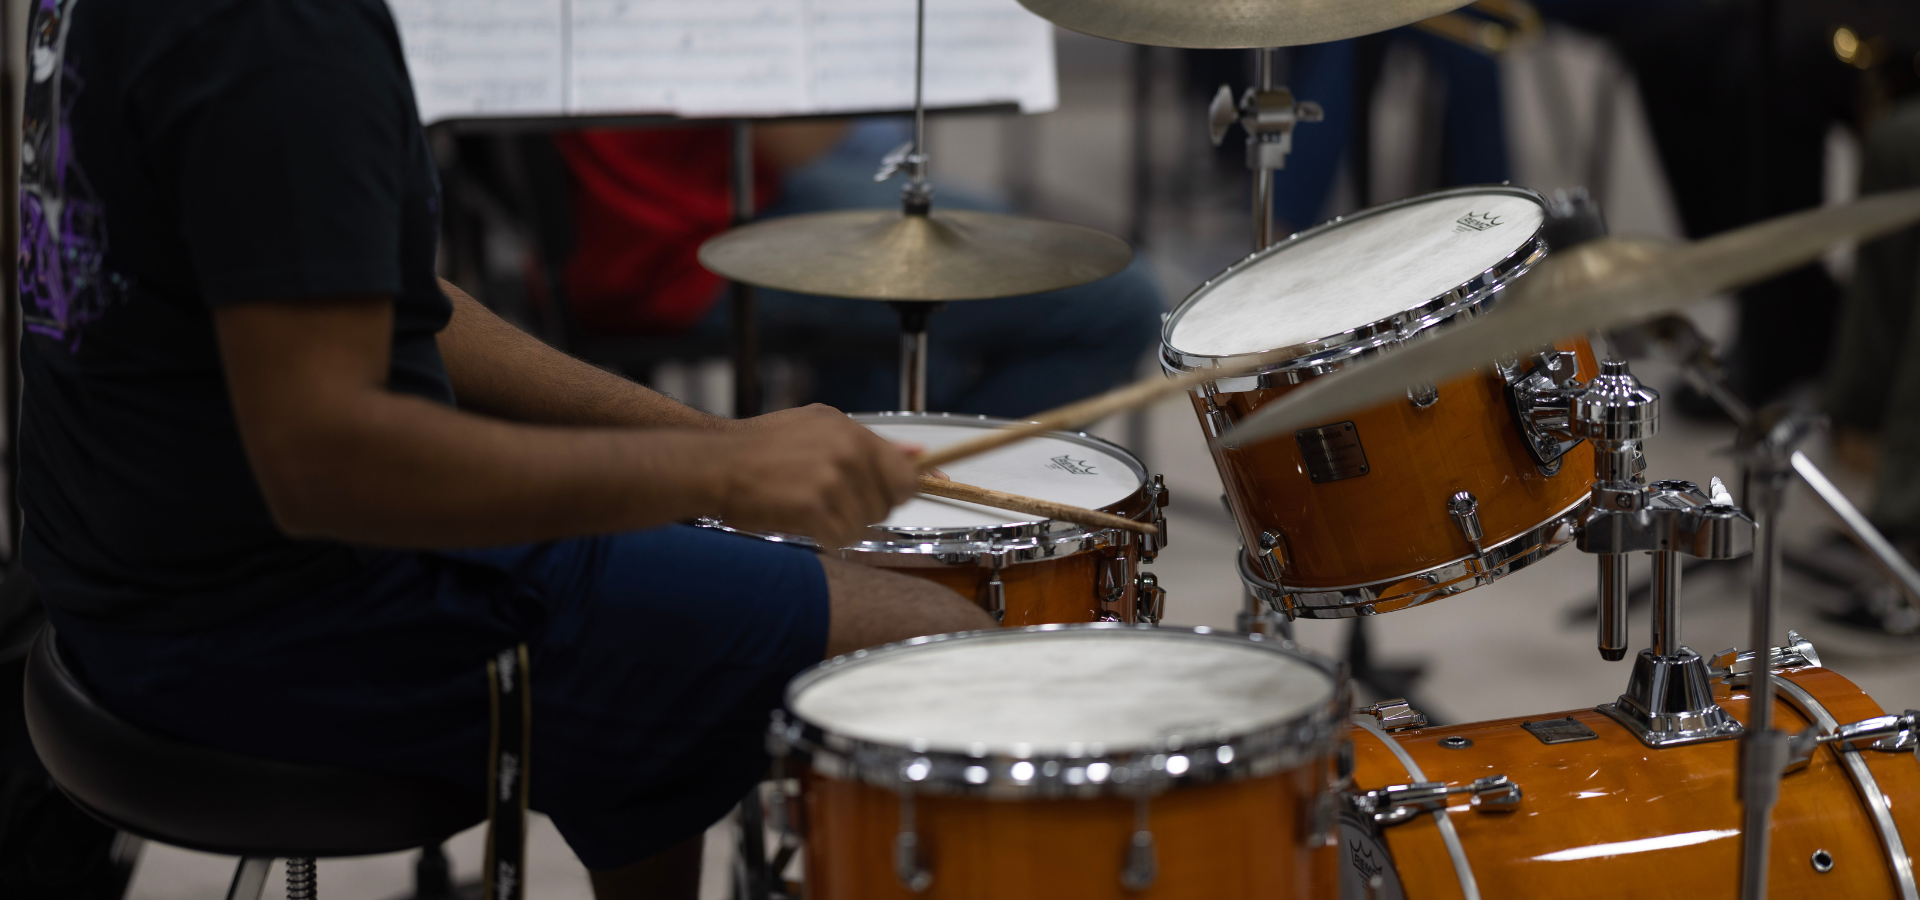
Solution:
(279, 481)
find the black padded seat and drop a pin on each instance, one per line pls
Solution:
(172, 791)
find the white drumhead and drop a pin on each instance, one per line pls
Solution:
(1062, 692)
(1050, 468)
(1356, 272)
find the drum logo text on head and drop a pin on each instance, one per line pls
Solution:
(1475, 222)
(1071, 466)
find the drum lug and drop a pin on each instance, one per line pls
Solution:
(1888, 734)
(909, 864)
(996, 560)
(1464, 508)
(1397, 803)
(1143, 865)
(1395, 714)
(1273, 555)
(1158, 497)
(1733, 666)
(1149, 598)
(1423, 395)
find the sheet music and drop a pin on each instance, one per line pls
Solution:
(484, 57)
(700, 58)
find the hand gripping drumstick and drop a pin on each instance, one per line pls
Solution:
(1018, 503)
(1090, 410)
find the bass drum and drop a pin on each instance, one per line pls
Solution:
(1605, 816)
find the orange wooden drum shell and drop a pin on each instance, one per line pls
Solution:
(1221, 841)
(1047, 591)
(1613, 790)
(1392, 521)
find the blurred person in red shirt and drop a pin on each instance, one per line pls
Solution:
(643, 201)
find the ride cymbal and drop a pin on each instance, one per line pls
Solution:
(1597, 285)
(883, 254)
(1225, 24)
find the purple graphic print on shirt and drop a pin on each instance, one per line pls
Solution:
(65, 281)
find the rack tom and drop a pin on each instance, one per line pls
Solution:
(1396, 505)
(1024, 569)
(1068, 762)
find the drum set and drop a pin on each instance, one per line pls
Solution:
(1403, 404)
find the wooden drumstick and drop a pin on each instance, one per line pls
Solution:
(1018, 503)
(1092, 409)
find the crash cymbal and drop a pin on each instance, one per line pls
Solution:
(884, 254)
(1594, 286)
(1235, 23)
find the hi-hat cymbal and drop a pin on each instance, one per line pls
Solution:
(1594, 286)
(1224, 24)
(883, 254)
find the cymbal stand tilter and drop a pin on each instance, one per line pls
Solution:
(916, 199)
(1267, 114)
(1668, 699)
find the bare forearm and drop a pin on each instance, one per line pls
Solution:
(503, 371)
(407, 472)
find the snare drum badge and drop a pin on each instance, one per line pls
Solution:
(1476, 222)
(1071, 466)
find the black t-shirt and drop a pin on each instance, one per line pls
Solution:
(182, 155)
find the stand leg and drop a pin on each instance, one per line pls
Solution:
(742, 309)
(913, 352)
(1763, 750)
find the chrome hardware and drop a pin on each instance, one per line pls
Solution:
(1541, 401)
(1613, 606)
(909, 865)
(1267, 116)
(997, 596)
(1615, 413)
(1157, 498)
(1143, 866)
(1670, 702)
(1412, 589)
(1216, 419)
(1822, 861)
(1888, 734)
(1398, 803)
(1734, 666)
(1395, 714)
(897, 159)
(1465, 511)
(1456, 742)
(1670, 516)
(1423, 395)
(1111, 582)
(1149, 598)
(1273, 555)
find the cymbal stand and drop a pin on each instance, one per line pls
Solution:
(916, 199)
(1267, 114)
(1767, 443)
(1703, 370)
(1669, 700)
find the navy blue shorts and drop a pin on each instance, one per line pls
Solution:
(656, 658)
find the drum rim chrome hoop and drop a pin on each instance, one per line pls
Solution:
(1030, 541)
(1450, 578)
(1313, 734)
(1327, 354)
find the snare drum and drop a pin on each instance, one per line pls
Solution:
(1068, 762)
(1025, 570)
(1396, 505)
(1601, 815)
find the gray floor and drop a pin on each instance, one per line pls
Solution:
(1515, 648)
